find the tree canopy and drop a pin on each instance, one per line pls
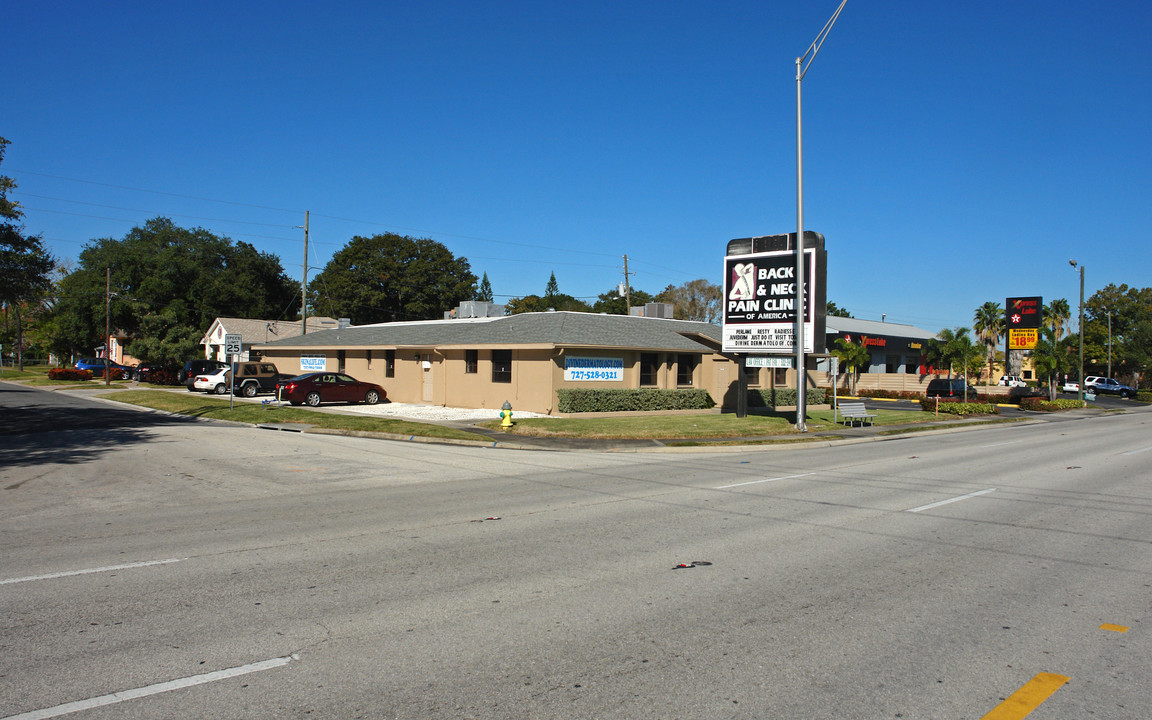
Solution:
(697, 300)
(26, 265)
(484, 292)
(167, 286)
(389, 277)
(612, 303)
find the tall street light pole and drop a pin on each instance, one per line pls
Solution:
(802, 64)
(1109, 311)
(1073, 263)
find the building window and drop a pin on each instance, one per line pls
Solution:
(892, 364)
(753, 376)
(649, 369)
(685, 368)
(780, 376)
(368, 357)
(389, 363)
(912, 365)
(471, 361)
(501, 366)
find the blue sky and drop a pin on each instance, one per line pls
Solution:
(953, 152)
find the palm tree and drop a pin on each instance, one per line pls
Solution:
(989, 326)
(852, 357)
(951, 347)
(1051, 358)
(1056, 315)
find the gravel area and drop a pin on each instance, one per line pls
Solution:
(413, 411)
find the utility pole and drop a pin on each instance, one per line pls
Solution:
(304, 283)
(627, 289)
(107, 324)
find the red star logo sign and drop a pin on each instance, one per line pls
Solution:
(1015, 319)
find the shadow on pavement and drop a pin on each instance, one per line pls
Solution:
(39, 427)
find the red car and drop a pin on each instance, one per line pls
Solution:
(315, 388)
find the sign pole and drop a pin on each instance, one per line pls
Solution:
(233, 342)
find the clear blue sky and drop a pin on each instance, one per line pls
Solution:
(954, 152)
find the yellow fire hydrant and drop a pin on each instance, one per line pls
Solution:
(506, 415)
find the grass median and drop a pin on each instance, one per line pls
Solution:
(777, 425)
(197, 405)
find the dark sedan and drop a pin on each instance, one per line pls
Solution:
(321, 387)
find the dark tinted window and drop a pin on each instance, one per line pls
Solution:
(649, 367)
(501, 366)
(471, 361)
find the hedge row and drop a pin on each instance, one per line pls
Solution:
(891, 394)
(1043, 405)
(576, 400)
(69, 374)
(785, 397)
(955, 407)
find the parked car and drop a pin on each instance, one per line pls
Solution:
(152, 372)
(96, 367)
(213, 382)
(256, 377)
(1070, 386)
(1012, 381)
(954, 388)
(192, 368)
(1108, 386)
(315, 388)
(1091, 380)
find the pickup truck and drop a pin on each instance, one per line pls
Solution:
(255, 377)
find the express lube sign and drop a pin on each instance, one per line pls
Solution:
(760, 302)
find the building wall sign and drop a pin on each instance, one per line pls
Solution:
(593, 369)
(313, 362)
(1023, 317)
(760, 302)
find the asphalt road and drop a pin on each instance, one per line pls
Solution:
(157, 567)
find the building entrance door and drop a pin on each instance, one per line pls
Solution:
(426, 376)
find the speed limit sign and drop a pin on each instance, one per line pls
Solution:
(232, 342)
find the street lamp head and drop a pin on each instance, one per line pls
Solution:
(1072, 263)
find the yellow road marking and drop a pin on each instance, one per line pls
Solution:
(1027, 698)
(1114, 628)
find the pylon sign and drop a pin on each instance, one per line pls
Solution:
(1023, 317)
(760, 295)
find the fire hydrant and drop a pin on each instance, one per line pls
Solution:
(506, 415)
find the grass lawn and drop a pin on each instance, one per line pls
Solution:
(724, 425)
(198, 405)
(37, 376)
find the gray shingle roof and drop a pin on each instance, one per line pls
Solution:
(553, 329)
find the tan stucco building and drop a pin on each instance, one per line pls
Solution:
(521, 359)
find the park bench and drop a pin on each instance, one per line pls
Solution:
(851, 412)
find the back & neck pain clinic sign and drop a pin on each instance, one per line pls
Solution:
(760, 302)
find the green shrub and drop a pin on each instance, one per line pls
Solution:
(891, 394)
(578, 400)
(785, 397)
(1144, 396)
(1040, 404)
(69, 374)
(956, 407)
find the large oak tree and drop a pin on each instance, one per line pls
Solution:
(167, 286)
(389, 277)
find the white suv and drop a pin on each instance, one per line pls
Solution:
(1012, 381)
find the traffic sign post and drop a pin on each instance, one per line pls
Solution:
(232, 344)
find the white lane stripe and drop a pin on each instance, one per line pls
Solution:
(108, 568)
(755, 482)
(119, 697)
(1010, 442)
(1137, 452)
(952, 500)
